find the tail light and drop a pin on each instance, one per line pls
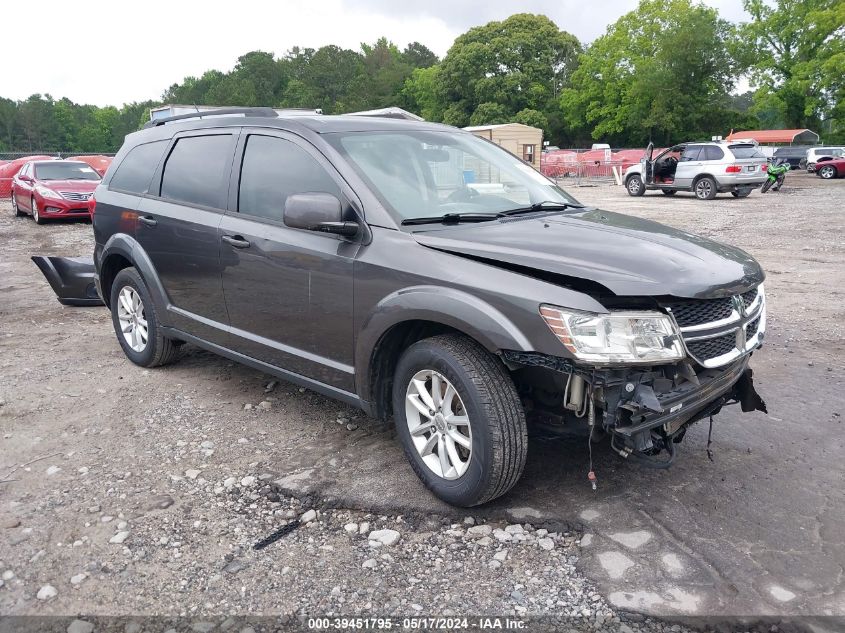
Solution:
(92, 205)
(733, 169)
(764, 168)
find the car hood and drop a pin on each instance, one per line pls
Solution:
(627, 255)
(81, 186)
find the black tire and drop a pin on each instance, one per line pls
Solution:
(15, 210)
(635, 186)
(158, 350)
(742, 193)
(33, 206)
(499, 441)
(705, 188)
(669, 192)
(826, 172)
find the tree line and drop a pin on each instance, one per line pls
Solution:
(665, 72)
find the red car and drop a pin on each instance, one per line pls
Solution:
(831, 169)
(54, 189)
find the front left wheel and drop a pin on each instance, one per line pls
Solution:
(460, 419)
(827, 172)
(33, 204)
(136, 323)
(635, 186)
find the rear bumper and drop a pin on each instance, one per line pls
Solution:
(733, 183)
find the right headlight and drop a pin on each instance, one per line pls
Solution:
(616, 337)
(44, 192)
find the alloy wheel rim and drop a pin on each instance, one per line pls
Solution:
(132, 319)
(35, 209)
(703, 189)
(634, 185)
(827, 172)
(439, 424)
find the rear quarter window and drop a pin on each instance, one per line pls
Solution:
(711, 152)
(196, 170)
(135, 172)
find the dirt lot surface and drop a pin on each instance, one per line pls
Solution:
(147, 489)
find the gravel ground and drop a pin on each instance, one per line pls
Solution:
(151, 488)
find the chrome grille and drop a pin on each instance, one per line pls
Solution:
(712, 347)
(717, 331)
(75, 196)
(748, 297)
(696, 312)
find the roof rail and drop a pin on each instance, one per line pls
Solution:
(255, 112)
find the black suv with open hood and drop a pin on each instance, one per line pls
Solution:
(424, 274)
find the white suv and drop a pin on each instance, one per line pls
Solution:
(815, 154)
(703, 168)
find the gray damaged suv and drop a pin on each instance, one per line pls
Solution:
(426, 275)
(705, 169)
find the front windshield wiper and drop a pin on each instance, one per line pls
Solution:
(545, 205)
(451, 218)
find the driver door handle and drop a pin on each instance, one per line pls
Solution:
(236, 240)
(148, 220)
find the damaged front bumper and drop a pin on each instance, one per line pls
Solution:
(72, 279)
(644, 410)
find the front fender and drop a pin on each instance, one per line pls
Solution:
(126, 247)
(447, 306)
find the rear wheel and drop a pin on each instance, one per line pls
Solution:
(635, 186)
(827, 172)
(460, 419)
(35, 214)
(741, 193)
(669, 192)
(705, 188)
(136, 323)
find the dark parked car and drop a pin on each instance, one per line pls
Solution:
(794, 155)
(421, 273)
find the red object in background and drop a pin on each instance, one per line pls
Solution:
(98, 162)
(10, 170)
(54, 189)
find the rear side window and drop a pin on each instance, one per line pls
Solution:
(135, 172)
(196, 169)
(691, 153)
(711, 152)
(274, 169)
(746, 152)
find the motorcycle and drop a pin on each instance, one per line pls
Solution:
(776, 175)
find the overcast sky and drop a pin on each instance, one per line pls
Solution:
(110, 53)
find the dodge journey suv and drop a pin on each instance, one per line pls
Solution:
(425, 275)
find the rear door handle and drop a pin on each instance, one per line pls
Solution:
(149, 221)
(236, 240)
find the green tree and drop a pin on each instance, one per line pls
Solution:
(489, 114)
(796, 49)
(418, 55)
(661, 72)
(534, 118)
(420, 94)
(518, 63)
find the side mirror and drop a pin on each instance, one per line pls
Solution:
(25, 178)
(317, 212)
